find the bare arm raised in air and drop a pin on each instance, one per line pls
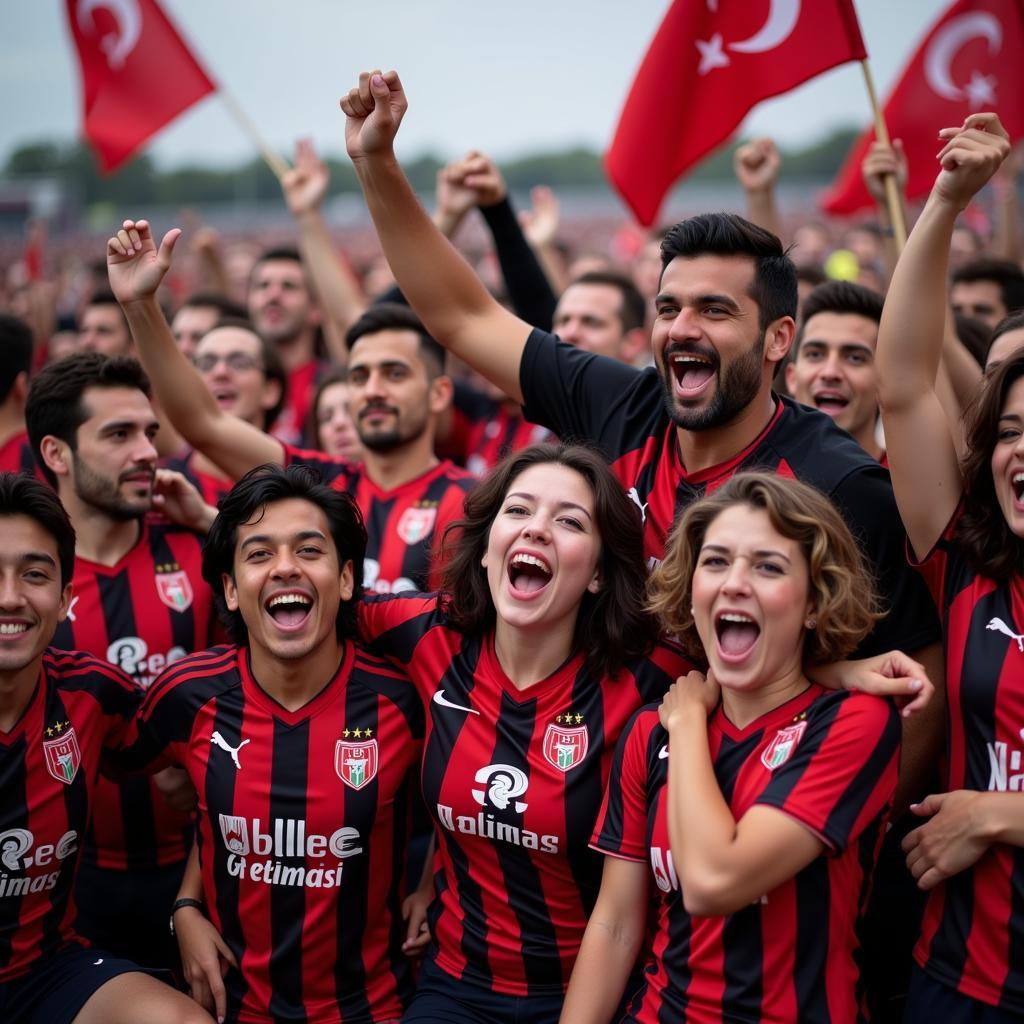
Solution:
(136, 267)
(451, 301)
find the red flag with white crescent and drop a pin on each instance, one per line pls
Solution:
(709, 63)
(137, 74)
(972, 59)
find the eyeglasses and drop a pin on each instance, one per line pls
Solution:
(238, 361)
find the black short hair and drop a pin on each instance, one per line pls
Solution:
(23, 495)
(839, 297)
(214, 300)
(394, 316)
(976, 336)
(1005, 273)
(54, 405)
(16, 349)
(273, 367)
(633, 311)
(267, 485)
(727, 234)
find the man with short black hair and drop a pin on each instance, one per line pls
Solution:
(603, 312)
(833, 365)
(198, 315)
(987, 289)
(103, 328)
(61, 712)
(397, 391)
(140, 603)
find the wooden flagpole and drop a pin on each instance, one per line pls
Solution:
(274, 161)
(893, 199)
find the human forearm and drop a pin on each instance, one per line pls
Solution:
(761, 210)
(910, 336)
(341, 298)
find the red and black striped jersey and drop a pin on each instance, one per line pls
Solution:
(303, 825)
(142, 614)
(210, 486)
(972, 935)
(290, 425)
(485, 430)
(582, 396)
(829, 761)
(404, 526)
(16, 456)
(514, 780)
(49, 765)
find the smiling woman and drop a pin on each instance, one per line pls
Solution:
(753, 799)
(529, 664)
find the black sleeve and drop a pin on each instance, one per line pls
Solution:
(529, 289)
(582, 396)
(866, 500)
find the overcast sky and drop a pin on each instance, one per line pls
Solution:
(505, 76)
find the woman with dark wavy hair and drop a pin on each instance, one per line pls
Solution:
(753, 799)
(966, 525)
(529, 663)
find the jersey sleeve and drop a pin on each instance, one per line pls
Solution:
(391, 625)
(334, 471)
(574, 393)
(843, 772)
(621, 828)
(911, 622)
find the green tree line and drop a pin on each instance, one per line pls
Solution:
(141, 181)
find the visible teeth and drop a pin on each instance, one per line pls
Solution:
(686, 358)
(531, 560)
(734, 617)
(10, 628)
(1018, 478)
(288, 599)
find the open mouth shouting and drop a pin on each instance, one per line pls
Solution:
(830, 401)
(736, 635)
(1017, 485)
(528, 575)
(691, 373)
(290, 609)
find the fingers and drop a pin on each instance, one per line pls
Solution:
(930, 805)
(166, 251)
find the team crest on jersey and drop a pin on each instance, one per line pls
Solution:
(235, 834)
(781, 748)
(356, 763)
(174, 587)
(416, 523)
(62, 754)
(564, 748)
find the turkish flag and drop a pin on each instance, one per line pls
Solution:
(709, 63)
(137, 74)
(972, 59)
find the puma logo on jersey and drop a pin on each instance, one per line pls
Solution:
(1001, 627)
(218, 741)
(642, 505)
(439, 698)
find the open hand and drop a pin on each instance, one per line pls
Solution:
(305, 184)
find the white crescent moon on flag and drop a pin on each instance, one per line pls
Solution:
(947, 43)
(117, 45)
(782, 19)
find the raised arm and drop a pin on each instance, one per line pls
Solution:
(757, 165)
(453, 304)
(922, 456)
(136, 268)
(340, 296)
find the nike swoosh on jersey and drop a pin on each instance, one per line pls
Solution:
(439, 698)
(663, 753)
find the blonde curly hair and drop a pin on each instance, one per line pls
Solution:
(842, 590)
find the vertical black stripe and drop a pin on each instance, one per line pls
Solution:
(13, 815)
(523, 887)
(289, 764)
(220, 798)
(376, 519)
(810, 958)
(352, 914)
(1013, 986)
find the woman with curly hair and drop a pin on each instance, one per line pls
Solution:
(754, 798)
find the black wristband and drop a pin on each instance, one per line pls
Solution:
(186, 902)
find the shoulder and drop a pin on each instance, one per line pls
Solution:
(459, 478)
(861, 713)
(75, 670)
(200, 675)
